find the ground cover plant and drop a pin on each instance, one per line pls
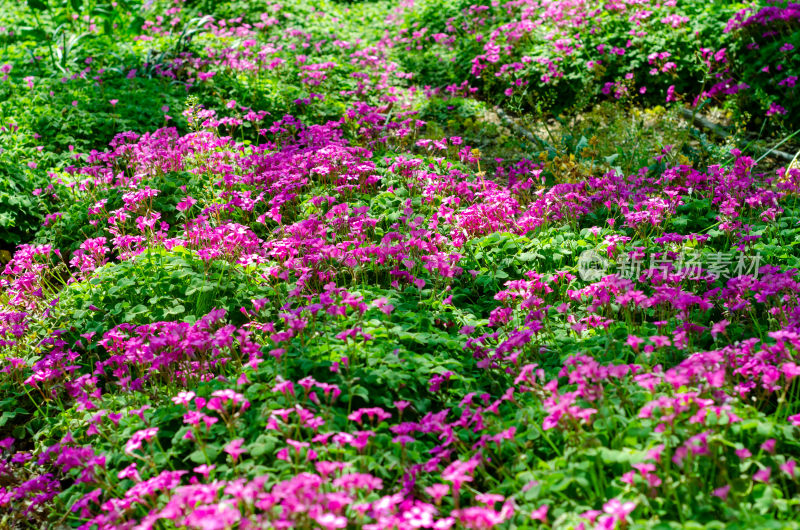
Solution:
(452, 264)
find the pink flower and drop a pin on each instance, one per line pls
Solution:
(136, 440)
(774, 108)
(591, 515)
(619, 510)
(444, 524)
(437, 491)
(130, 472)
(184, 398)
(719, 327)
(114, 102)
(234, 448)
(284, 387)
(384, 306)
(489, 499)
(762, 475)
(660, 341)
(330, 521)
(401, 405)
(540, 513)
(633, 341)
(403, 440)
(790, 370)
(655, 452)
(722, 492)
(204, 469)
(459, 472)
(789, 467)
(371, 413)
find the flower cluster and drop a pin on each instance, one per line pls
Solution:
(335, 316)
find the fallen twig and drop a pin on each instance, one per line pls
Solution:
(515, 127)
(705, 123)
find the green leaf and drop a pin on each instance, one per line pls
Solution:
(198, 457)
(583, 143)
(9, 415)
(175, 310)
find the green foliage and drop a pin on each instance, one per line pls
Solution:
(428, 292)
(167, 285)
(19, 211)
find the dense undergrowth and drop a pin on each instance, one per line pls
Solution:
(399, 264)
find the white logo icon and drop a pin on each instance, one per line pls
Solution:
(592, 266)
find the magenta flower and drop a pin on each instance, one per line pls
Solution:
(774, 108)
(184, 398)
(634, 342)
(789, 467)
(331, 521)
(204, 470)
(136, 440)
(722, 492)
(719, 327)
(619, 510)
(401, 405)
(437, 492)
(234, 448)
(130, 472)
(540, 513)
(762, 475)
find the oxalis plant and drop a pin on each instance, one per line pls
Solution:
(399, 265)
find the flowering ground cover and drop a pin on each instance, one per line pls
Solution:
(395, 265)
